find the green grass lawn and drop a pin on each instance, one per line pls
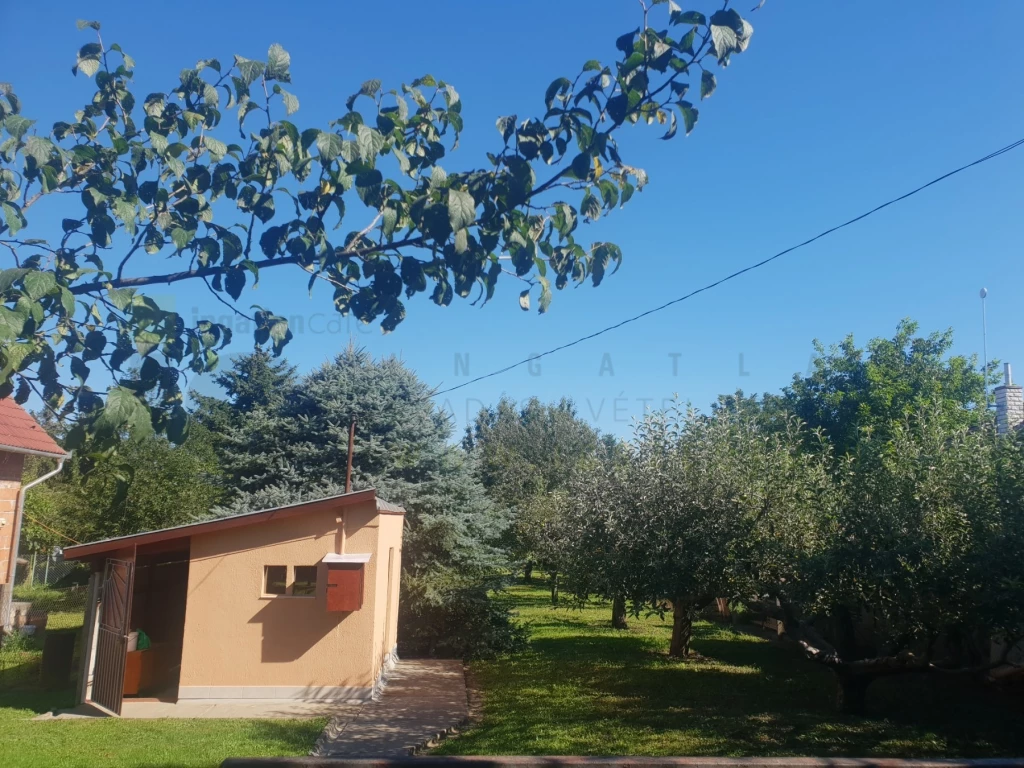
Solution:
(586, 689)
(111, 742)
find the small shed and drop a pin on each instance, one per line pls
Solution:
(296, 602)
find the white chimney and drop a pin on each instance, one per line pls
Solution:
(1009, 403)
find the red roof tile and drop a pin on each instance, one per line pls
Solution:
(20, 432)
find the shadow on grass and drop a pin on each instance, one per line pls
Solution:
(583, 688)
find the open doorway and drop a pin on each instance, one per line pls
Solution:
(153, 666)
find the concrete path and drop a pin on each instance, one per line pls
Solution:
(188, 710)
(423, 700)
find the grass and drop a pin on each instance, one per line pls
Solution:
(112, 742)
(586, 689)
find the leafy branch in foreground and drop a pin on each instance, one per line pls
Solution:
(363, 205)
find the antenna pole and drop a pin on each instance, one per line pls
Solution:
(984, 344)
(351, 447)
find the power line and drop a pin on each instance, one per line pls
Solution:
(734, 275)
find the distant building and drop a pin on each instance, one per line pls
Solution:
(1009, 403)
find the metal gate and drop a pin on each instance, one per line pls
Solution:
(112, 638)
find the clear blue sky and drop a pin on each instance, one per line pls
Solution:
(834, 108)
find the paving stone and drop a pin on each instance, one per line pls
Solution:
(422, 700)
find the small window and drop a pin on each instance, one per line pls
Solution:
(305, 580)
(275, 579)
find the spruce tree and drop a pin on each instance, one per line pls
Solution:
(292, 448)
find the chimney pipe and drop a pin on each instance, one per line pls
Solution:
(1009, 403)
(351, 447)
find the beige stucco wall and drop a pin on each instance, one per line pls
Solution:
(386, 629)
(283, 646)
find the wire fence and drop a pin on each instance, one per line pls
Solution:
(46, 569)
(39, 606)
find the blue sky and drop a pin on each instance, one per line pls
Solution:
(834, 108)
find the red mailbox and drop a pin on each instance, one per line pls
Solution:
(345, 581)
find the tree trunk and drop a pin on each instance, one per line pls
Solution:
(619, 613)
(851, 697)
(528, 571)
(554, 588)
(682, 629)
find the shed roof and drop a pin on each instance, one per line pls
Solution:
(20, 433)
(83, 551)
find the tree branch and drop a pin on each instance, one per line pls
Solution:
(175, 277)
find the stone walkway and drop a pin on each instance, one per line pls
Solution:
(423, 700)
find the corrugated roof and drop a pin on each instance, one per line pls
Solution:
(20, 433)
(93, 548)
(388, 508)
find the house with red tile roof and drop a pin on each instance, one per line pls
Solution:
(20, 436)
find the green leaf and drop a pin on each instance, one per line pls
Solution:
(124, 411)
(121, 297)
(389, 221)
(690, 114)
(673, 125)
(278, 62)
(181, 238)
(39, 284)
(39, 148)
(545, 294)
(9, 277)
(248, 69)
(79, 369)
(730, 33)
(145, 342)
(83, 24)
(524, 300)
(329, 146)
(178, 425)
(126, 212)
(67, 300)
(13, 218)
(264, 207)
(368, 187)
(87, 67)
(368, 88)
(291, 102)
(625, 42)
(11, 323)
(581, 166)
(557, 87)
(368, 143)
(438, 177)
(461, 209)
(590, 207)
(708, 83)
(17, 125)
(158, 142)
(234, 282)
(688, 17)
(216, 147)
(506, 126)
(592, 66)
(14, 357)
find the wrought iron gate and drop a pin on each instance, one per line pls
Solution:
(112, 638)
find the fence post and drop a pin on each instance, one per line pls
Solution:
(89, 629)
(31, 571)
